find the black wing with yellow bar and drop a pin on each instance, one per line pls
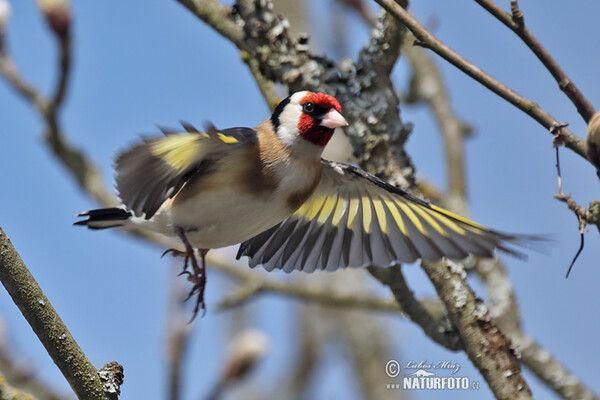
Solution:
(155, 170)
(354, 219)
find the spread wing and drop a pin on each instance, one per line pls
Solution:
(354, 219)
(154, 171)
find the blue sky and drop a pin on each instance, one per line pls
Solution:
(143, 63)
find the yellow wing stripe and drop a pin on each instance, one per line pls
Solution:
(459, 218)
(179, 151)
(448, 222)
(182, 150)
(420, 210)
(227, 139)
(339, 211)
(352, 211)
(381, 217)
(310, 209)
(413, 218)
(396, 215)
(367, 214)
(327, 209)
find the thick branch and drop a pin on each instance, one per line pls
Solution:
(428, 85)
(515, 22)
(364, 89)
(427, 39)
(47, 325)
(487, 347)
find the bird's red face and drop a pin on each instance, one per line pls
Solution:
(321, 114)
(305, 121)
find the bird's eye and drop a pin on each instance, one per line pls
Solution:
(308, 107)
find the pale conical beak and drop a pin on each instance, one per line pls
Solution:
(333, 119)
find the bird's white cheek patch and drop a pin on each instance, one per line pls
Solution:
(288, 128)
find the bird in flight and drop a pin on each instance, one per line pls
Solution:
(269, 189)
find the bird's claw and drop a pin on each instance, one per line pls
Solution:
(174, 253)
(179, 253)
(199, 284)
(185, 272)
(197, 275)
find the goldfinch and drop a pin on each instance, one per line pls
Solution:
(268, 189)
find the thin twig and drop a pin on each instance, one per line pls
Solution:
(9, 70)
(558, 172)
(517, 14)
(428, 40)
(583, 215)
(515, 22)
(65, 69)
(86, 174)
(581, 244)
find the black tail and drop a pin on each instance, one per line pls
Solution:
(104, 218)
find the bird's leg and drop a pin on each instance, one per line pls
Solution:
(200, 284)
(198, 274)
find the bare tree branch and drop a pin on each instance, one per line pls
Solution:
(428, 85)
(487, 347)
(47, 325)
(291, 64)
(85, 173)
(376, 131)
(516, 23)
(428, 40)
(92, 183)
